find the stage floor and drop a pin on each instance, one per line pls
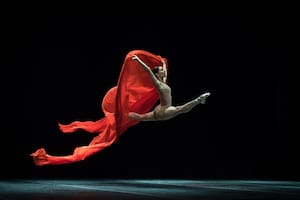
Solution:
(143, 189)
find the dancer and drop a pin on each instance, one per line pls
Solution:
(124, 106)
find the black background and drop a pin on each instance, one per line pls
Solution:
(57, 68)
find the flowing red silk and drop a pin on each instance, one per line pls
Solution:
(134, 92)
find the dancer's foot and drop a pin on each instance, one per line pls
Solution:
(202, 98)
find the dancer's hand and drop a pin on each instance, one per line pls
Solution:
(135, 57)
(146, 67)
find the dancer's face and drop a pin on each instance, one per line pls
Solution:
(161, 73)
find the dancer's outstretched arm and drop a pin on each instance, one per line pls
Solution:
(157, 83)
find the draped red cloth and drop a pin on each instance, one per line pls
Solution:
(134, 92)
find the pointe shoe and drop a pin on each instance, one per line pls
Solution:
(202, 98)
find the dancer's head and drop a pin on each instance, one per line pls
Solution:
(160, 73)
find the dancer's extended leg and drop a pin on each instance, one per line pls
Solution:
(187, 107)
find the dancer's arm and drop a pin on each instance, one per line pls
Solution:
(156, 82)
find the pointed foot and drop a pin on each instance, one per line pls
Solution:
(202, 98)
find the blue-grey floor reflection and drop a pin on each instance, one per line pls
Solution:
(148, 189)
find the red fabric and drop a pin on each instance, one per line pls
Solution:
(133, 92)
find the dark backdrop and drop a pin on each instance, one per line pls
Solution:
(58, 68)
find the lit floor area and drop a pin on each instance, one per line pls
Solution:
(147, 189)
